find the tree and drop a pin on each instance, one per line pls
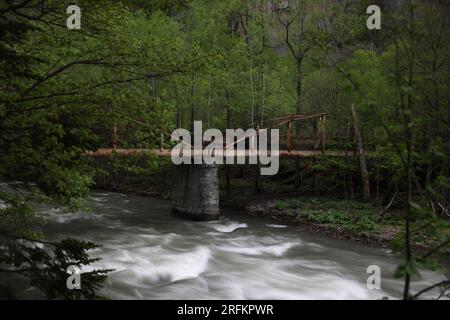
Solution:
(391, 91)
(58, 87)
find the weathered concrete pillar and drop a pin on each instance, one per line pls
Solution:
(196, 192)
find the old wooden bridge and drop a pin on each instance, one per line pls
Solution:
(291, 145)
(196, 192)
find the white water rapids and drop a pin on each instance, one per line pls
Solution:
(157, 255)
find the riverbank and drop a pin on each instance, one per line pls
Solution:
(342, 219)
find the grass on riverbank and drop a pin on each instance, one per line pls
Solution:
(352, 216)
(351, 220)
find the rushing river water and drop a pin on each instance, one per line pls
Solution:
(157, 255)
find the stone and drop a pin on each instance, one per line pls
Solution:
(196, 192)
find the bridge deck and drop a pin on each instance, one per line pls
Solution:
(167, 153)
(294, 146)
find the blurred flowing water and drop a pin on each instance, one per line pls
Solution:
(157, 255)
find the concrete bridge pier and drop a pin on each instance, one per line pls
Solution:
(196, 192)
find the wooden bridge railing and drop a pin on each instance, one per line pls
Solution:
(289, 120)
(292, 143)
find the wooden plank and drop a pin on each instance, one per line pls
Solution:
(167, 153)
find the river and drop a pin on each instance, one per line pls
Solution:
(157, 255)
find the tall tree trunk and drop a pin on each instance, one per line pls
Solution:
(179, 119)
(257, 186)
(253, 90)
(192, 103)
(362, 157)
(446, 167)
(406, 111)
(298, 87)
(298, 110)
(227, 167)
(208, 107)
(257, 182)
(352, 188)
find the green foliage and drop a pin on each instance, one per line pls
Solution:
(44, 263)
(59, 88)
(353, 216)
(147, 67)
(47, 267)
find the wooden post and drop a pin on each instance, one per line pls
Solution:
(298, 176)
(362, 157)
(114, 136)
(162, 142)
(258, 188)
(317, 129)
(289, 136)
(322, 132)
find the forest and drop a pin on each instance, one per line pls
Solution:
(134, 71)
